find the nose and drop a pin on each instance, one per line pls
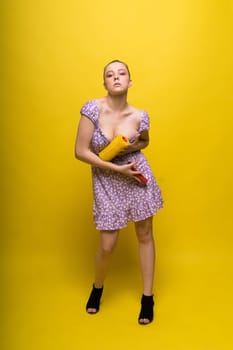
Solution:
(116, 77)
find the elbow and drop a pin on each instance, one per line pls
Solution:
(144, 144)
(81, 154)
(78, 154)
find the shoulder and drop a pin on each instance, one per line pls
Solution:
(143, 118)
(140, 112)
(145, 121)
(90, 109)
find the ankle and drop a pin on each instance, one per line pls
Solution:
(93, 304)
(147, 295)
(148, 298)
(146, 314)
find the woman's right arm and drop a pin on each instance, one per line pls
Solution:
(85, 154)
(83, 141)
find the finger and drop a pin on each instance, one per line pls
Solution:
(135, 138)
(137, 179)
(132, 165)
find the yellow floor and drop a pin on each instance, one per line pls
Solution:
(46, 292)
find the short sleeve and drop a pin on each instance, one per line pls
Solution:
(145, 122)
(91, 110)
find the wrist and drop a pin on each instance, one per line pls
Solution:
(113, 166)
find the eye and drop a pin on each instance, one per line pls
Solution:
(109, 75)
(122, 73)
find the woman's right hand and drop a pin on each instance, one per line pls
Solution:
(127, 169)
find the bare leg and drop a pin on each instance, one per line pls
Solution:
(144, 232)
(108, 242)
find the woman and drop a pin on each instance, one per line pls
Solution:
(119, 195)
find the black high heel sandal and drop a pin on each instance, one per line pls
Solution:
(94, 300)
(147, 312)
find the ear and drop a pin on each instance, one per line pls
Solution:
(104, 85)
(130, 83)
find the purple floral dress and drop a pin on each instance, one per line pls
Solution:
(118, 198)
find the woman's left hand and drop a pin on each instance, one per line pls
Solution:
(133, 146)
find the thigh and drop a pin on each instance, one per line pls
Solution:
(144, 228)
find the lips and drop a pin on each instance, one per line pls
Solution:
(117, 84)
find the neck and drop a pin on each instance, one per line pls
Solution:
(117, 102)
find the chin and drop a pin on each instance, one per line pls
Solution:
(118, 93)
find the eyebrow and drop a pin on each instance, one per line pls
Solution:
(111, 71)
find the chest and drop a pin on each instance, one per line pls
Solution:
(113, 124)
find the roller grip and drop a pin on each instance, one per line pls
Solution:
(142, 178)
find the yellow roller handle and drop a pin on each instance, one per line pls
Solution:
(114, 147)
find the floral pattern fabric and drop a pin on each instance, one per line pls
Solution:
(119, 199)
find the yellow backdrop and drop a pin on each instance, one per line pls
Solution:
(180, 56)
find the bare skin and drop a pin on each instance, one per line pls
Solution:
(118, 117)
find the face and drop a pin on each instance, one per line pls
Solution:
(116, 78)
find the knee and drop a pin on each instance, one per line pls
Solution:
(145, 238)
(107, 243)
(106, 250)
(144, 230)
